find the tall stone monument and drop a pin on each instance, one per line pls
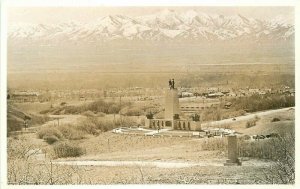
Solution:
(171, 103)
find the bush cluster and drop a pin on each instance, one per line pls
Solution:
(67, 149)
(274, 149)
(212, 144)
(93, 125)
(132, 111)
(95, 107)
(250, 123)
(275, 119)
(49, 131)
(263, 102)
(90, 125)
(71, 132)
(50, 139)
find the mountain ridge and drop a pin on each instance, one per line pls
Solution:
(162, 26)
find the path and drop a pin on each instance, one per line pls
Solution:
(159, 164)
(157, 132)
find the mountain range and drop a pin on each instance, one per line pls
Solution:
(162, 26)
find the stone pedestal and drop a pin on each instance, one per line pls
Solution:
(195, 125)
(148, 123)
(232, 151)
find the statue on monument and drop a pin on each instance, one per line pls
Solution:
(173, 84)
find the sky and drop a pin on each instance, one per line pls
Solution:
(50, 15)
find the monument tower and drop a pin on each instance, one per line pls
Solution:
(171, 102)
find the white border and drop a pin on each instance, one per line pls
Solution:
(3, 90)
(57, 3)
(297, 87)
(151, 3)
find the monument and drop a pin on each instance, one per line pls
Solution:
(232, 151)
(171, 103)
(172, 113)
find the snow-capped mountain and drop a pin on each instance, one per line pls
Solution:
(165, 25)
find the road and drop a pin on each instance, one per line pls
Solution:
(243, 118)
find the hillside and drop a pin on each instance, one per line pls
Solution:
(285, 125)
(16, 118)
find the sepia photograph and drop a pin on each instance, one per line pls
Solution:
(119, 95)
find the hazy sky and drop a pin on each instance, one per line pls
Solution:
(84, 14)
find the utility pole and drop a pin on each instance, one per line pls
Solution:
(120, 111)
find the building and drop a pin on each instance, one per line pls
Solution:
(24, 96)
(215, 95)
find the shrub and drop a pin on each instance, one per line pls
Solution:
(49, 131)
(14, 125)
(91, 125)
(281, 150)
(245, 137)
(274, 148)
(106, 125)
(126, 122)
(67, 149)
(88, 113)
(275, 119)
(106, 107)
(71, 132)
(63, 103)
(113, 109)
(19, 148)
(212, 114)
(149, 115)
(50, 139)
(250, 123)
(263, 102)
(70, 110)
(132, 111)
(88, 125)
(212, 144)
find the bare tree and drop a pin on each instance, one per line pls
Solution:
(283, 170)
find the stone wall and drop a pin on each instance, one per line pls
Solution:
(175, 124)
